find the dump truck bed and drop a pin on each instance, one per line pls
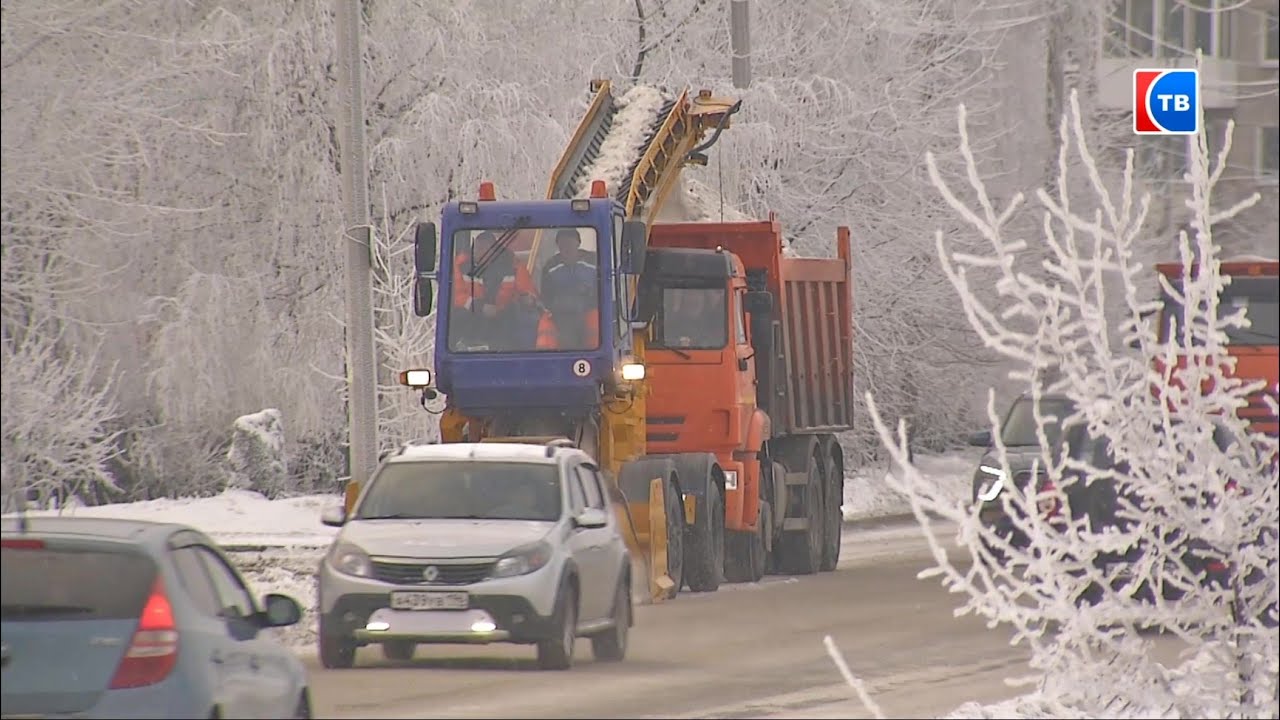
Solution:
(813, 299)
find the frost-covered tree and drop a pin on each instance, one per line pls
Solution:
(1114, 546)
(57, 428)
(256, 460)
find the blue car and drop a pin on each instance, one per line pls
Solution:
(129, 619)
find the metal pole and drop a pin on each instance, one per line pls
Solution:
(740, 41)
(362, 389)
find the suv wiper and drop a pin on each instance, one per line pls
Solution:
(1240, 336)
(391, 516)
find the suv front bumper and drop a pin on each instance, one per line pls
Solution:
(520, 609)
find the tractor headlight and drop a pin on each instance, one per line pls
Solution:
(632, 371)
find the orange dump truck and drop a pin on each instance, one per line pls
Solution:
(763, 381)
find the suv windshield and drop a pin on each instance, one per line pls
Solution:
(1019, 428)
(437, 490)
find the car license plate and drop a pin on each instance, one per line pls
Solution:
(421, 600)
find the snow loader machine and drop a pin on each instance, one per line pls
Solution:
(696, 446)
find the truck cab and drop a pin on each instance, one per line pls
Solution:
(701, 363)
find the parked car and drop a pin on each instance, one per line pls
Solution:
(477, 543)
(132, 619)
(1022, 448)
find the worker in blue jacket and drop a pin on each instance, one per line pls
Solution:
(569, 289)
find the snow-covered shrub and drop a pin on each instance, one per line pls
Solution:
(55, 426)
(256, 459)
(1174, 486)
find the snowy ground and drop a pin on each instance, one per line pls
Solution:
(867, 495)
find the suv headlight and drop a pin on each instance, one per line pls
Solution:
(523, 560)
(349, 559)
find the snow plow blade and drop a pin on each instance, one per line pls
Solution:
(644, 529)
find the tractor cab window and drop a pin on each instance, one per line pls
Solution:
(692, 318)
(1259, 298)
(524, 289)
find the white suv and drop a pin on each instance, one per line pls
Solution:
(477, 543)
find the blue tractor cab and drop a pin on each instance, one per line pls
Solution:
(535, 301)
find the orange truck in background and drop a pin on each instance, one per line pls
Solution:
(1255, 286)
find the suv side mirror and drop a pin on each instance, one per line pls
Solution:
(334, 516)
(635, 241)
(591, 518)
(758, 302)
(424, 248)
(982, 438)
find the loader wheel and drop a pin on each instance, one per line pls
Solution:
(704, 543)
(832, 516)
(800, 551)
(675, 537)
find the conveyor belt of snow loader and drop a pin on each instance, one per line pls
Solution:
(651, 173)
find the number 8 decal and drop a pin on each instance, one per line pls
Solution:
(581, 368)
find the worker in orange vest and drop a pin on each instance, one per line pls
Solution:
(493, 298)
(569, 283)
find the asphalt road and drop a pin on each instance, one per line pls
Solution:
(745, 651)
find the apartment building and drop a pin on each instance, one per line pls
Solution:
(1239, 81)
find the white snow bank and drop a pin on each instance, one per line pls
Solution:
(868, 495)
(235, 517)
(637, 110)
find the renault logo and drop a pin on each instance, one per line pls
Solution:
(430, 573)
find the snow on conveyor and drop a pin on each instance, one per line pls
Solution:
(637, 111)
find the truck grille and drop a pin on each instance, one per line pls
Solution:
(416, 573)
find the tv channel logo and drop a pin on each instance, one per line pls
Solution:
(1166, 102)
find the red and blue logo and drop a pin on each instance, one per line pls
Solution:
(1166, 102)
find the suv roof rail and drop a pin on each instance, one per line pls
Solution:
(559, 442)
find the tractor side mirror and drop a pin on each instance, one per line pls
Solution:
(758, 302)
(424, 296)
(424, 248)
(635, 240)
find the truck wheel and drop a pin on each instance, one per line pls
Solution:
(556, 652)
(336, 653)
(704, 543)
(611, 645)
(399, 650)
(832, 516)
(800, 551)
(675, 537)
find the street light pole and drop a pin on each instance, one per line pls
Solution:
(362, 389)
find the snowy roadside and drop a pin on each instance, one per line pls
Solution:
(867, 495)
